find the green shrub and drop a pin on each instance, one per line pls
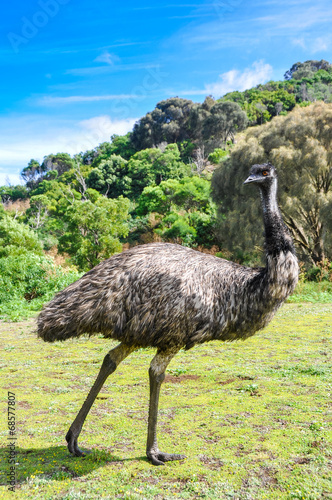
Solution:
(320, 272)
(176, 229)
(16, 238)
(29, 280)
(217, 155)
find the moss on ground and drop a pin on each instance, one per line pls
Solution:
(254, 418)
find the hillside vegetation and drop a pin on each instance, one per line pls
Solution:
(154, 184)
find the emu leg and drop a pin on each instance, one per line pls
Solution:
(109, 365)
(157, 376)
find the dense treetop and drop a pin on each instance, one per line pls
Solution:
(154, 182)
(300, 146)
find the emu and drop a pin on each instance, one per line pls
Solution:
(171, 297)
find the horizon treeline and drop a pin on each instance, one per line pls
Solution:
(154, 183)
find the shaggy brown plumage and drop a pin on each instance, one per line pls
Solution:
(168, 296)
(162, 295)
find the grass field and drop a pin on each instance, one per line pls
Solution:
(253, 418)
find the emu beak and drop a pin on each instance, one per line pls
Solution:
(251, 178)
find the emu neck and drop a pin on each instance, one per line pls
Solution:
(277, 237)
(281, 271)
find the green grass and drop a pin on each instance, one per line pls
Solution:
(310, 291)
(254, 418)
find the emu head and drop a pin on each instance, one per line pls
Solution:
(263, 174)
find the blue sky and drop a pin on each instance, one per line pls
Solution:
(76, 71)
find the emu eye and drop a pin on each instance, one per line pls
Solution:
(265, 172)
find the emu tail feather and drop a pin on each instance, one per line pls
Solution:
(53, 332)
(70, 314)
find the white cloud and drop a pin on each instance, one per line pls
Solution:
(235, 80)
(242, 29)
(299, 42)
(107, 58)
(260, 72)
(95, 130)
(49, 100)
(26, 137)
(12, 179)
(106, 69)
(320, 44)
(313, 45)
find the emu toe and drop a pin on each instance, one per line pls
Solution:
(72, 445)
(159, 458)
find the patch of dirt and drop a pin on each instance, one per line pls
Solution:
(228, 381)
(280, 421)
(18, 206)
(177, 380)
(25, 405)
(58, 434)
(151, 480)
(241, 451)
(267, 476)
(68, 471)
(302, 460)
(48, 389)
(263, 429)
(211, 438)
(59, 259)
(245, 483)
(211, 462)
(55, 374)
(317, 444)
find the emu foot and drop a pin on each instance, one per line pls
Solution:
(159, 458)
(72, 445)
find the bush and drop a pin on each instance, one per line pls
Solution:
(217, 155)
(16, 238)
(27, 281)
(175, 228)
(320, 272)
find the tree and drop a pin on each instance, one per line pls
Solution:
(16, 238)
(197, 161)
(224, 120)
(152, 166)
(187, 213)
(306, 69)
(110, 177)
(52, 166)
(32, 173)
(13, 193)
(61, 162)
(264, 101)
(120, 145)
(167, 122)
(300, 146)
(38, 212)
(217, 156)
(189, 194)
(93, 230)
